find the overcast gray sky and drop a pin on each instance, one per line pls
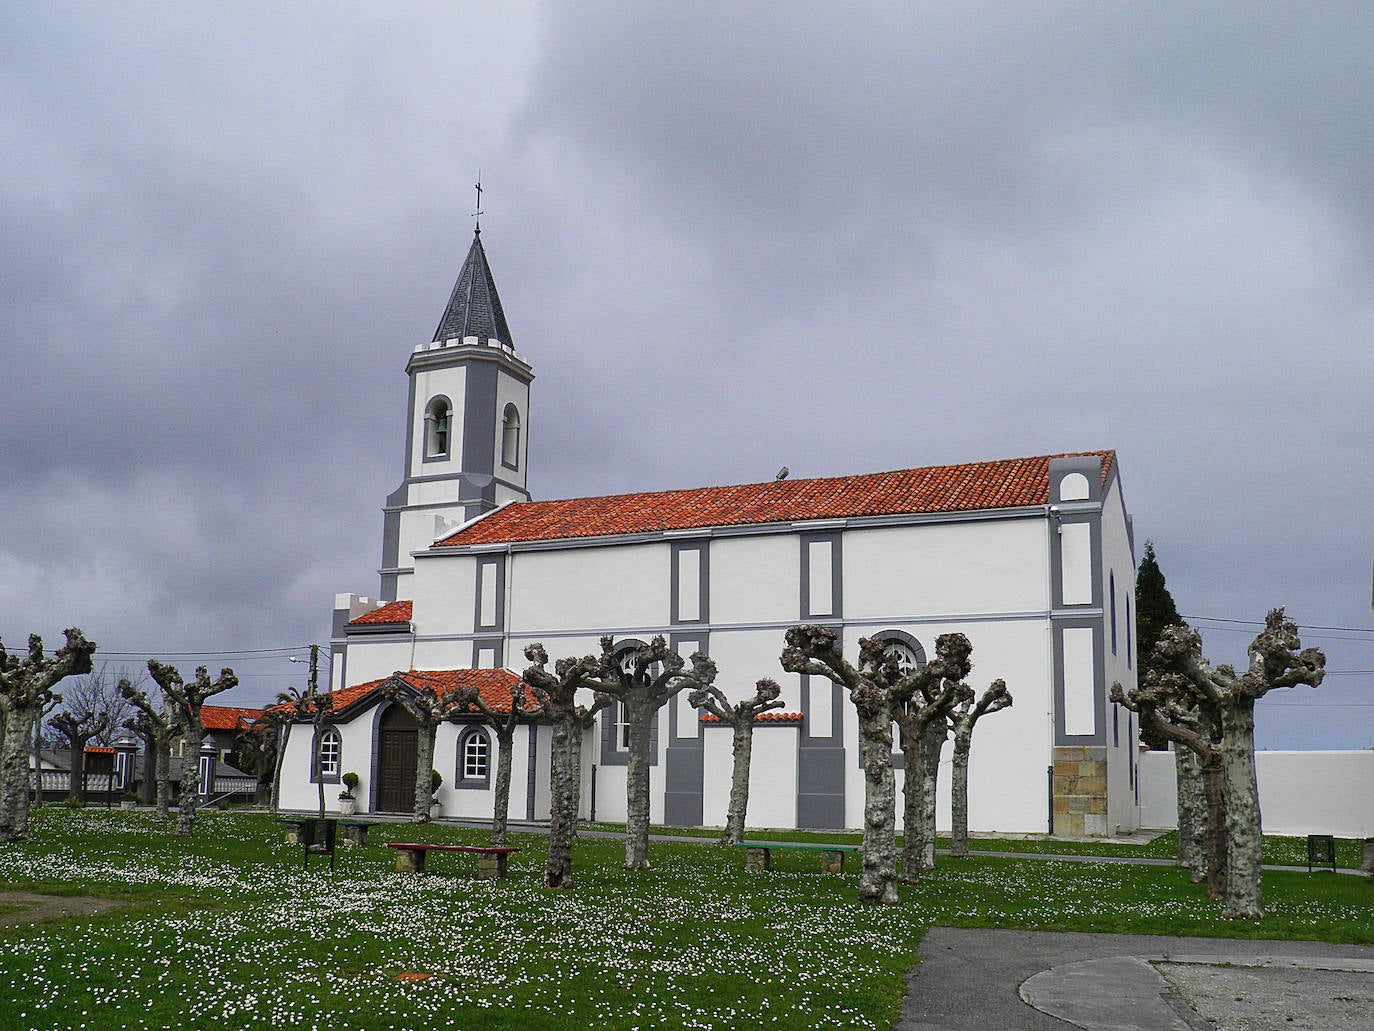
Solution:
(842, 237)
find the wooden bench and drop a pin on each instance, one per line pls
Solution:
(491, 859)
(758, 855)
(355, 831)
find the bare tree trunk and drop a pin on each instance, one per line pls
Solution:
(282, 732)
(76, 783)
(14, 776)
(932, 741)
(640, 714)
(1192, 813)
(1214, 792)
(1244, 892)
(424, 771)
(958, 788)
(878, 879)
(913, 805)
(576, 731)
(191, 738)
(162, 762)
(563, 814)
(37, 763)
(505, 741)
(743, 746)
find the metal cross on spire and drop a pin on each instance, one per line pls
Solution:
(478, 213)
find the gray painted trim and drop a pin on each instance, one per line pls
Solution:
(531, 771)
(1094, 521)
(315, 775)
(378, 630)
(389, 586)
(1099, 734)
(834, 537)
(391, 539)
(460, 782)
(821, 760)
(479, 419)
(493, 567)
(518, 427)
(375, 759)
(410, 435)
(684, 773)
(449, 357)
(676, 548)
(882, 621)
(498, 644)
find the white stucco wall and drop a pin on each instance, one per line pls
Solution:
(1300, 792)
(755, 579)
(1119, 664)
(945, 568)
(430, 383)
(772, 776)
(615, 588)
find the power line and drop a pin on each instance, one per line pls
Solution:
(1301, 626)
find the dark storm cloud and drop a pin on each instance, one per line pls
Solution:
(842, 238)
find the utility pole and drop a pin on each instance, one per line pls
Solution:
(314, 669)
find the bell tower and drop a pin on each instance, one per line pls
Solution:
(466, 426)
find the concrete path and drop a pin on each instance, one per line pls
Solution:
(1043, 981)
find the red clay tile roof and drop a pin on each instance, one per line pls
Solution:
(99, 750)
(492, 684)
(224, 717)
(1010, 483)
(391, 612)
(771, 716)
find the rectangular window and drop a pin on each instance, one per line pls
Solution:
(491, 584)
(205, 763)
(1076, 563)
(820, 576)
(1130, 657)
(818, 565)
(688, 585)
(1080, 708)
(820, 713)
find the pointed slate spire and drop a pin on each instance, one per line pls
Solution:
(474, 309)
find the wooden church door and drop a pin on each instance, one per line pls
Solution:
(397, 744)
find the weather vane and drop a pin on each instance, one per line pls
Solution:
(478, 213)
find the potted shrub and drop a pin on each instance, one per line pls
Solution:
(436, 781)
(348, 802)
(128, 801)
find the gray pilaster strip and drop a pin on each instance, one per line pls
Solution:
(685, 760)
(480, 418)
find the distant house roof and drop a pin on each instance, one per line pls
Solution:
(395, 612)
(493, 686)
(974, 486)
(764, 717)
(225, 717)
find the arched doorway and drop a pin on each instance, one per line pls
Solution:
(397, 741)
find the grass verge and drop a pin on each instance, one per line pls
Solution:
(233, 934)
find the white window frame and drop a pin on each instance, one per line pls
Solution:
(330, 754)
(476, 757)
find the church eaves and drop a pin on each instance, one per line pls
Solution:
(474, 309)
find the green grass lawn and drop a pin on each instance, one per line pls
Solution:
(226, 931)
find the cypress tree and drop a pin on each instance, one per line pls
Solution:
(1154, 610)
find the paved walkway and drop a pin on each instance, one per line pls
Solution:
(985, 980)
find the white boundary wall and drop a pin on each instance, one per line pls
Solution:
(1300, 792)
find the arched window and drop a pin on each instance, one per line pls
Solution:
(328, 756)
(474, 759)
(438, 427)
(909, 652)
(510, 438)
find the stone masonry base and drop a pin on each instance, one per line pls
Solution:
(1080, 790)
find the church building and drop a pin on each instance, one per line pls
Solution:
(1032, 558)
